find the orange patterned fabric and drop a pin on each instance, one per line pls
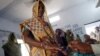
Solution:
(39, 30)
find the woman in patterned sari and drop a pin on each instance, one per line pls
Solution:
(38, 34)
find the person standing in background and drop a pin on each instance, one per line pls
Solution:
(12, 48)
(97, 34)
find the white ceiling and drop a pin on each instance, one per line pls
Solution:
(4, 3)
(18, 10)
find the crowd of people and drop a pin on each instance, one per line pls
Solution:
(69, 43)
(38, 34)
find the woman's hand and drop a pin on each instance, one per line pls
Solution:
(51, 47)
(55, 49)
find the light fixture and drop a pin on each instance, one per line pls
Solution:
(54, 19)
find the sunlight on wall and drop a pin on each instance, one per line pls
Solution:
(90, 29)
(54, 19)
(24, 48)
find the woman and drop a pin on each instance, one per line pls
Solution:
(69, 36)
(89, 40)
(12, 48)
(38, 33)
(81, 49)
(61, 41)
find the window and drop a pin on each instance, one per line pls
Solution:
(54, 19)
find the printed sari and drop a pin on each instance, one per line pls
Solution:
(41, 29)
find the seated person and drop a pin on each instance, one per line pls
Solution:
(89, 40)
(61, 41)
(69, 35)
(81, 48)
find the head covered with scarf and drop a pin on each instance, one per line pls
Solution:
(39, 10)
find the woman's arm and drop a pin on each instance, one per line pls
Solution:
(38, 44)
(31, 42)
(81, 47)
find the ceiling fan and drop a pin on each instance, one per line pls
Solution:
(98, 4)
(30, 2)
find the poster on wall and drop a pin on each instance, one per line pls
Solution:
(75, 28)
